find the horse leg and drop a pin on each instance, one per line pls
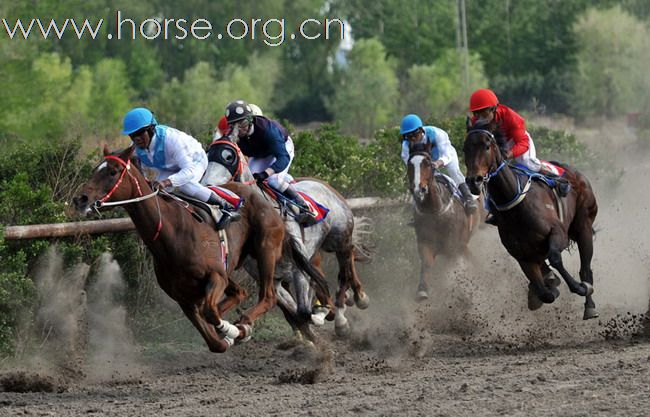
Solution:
(214, 291)
(289, 310)
(207, 330)
(557, 241)
(269, 253)
(586, 248)
(550, 278)
(348, 278)
(235, 294)
(533, 272)
(427, 256)
(324, 301)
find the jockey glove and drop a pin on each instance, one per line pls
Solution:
(260, 176)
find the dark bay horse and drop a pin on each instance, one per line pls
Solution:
(336, 233)
(192, 260)
(442, 225)
(534, 225)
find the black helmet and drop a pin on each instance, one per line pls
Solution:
(238, 110)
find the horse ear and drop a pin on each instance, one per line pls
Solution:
(106, 150)
(127, 153)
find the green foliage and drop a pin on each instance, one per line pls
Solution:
(438, 88)
(365, 99)
(612, 77)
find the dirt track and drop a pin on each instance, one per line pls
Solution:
(455, 378)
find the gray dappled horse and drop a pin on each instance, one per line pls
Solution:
(336, 233)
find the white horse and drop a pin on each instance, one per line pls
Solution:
(336, 233)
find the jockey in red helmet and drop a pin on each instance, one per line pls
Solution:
(484, 107)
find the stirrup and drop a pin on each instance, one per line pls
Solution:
(228, 217)
(305, 217)
(563, 188)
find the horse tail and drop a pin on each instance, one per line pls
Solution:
(364, 252)
(317, 279)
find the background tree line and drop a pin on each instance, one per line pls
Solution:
(582, 58)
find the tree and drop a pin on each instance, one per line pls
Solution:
(613, 55)
(367, 95)
(437, 89)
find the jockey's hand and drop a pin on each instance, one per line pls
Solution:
(260, 176)
(437, 164)
(161, 185)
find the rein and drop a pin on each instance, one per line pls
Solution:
(102, 202)
(521, 193)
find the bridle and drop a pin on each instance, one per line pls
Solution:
(493, 172)
(449, 203)
(240, 164)
(102, 202)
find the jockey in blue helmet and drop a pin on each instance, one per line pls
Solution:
(415, 136)
(178, 159)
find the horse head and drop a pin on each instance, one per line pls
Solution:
(116, 178)
(482, 156)
(420, 174)
(225, 163)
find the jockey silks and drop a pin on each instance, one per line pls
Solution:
(267, 139)
(174, 155)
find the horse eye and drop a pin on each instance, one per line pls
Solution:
(487, 146)
(113, 172)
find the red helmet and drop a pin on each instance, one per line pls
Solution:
(223, 124)
(482, 99)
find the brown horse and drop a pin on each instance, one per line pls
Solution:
(533, 224)
(339, 232)
(192, 260)
(442, 225)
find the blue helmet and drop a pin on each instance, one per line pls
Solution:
(410, 123)
(138, 118)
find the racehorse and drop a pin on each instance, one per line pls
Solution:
(442, 225)
(192, 260)
(336, 233)
(534, 223)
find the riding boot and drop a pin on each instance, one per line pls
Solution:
(561, 184)
(305, 215)
(468, 198)
(230, 214)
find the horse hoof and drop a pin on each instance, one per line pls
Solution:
(318, 319)
(552, 281)
(590, 313)
(555, 292)
(589, 289)
(363, 302)
(534, 303)
(247, 331)
(421, 296)
(349, 297)
(343, 331)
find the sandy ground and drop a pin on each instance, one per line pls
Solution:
(473, 349)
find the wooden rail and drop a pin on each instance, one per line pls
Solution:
(38, 231)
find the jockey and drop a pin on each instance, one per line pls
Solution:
(177, 158)
(485, 108)
(415, 136)
(270, 150)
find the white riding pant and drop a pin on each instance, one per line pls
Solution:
(193, 188)
(453, 170)
(280, 180)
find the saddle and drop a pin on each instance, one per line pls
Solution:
(286, 206)
(449, 183)
(207, 213)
